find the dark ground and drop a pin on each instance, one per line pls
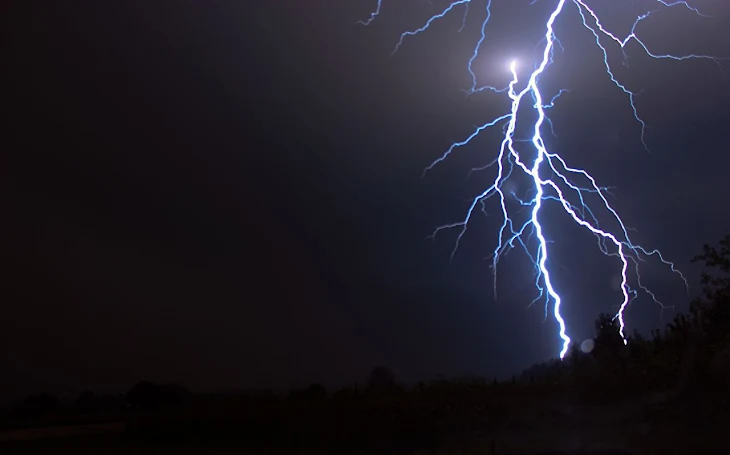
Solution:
(530, 425)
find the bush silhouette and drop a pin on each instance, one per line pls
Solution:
(146, 395)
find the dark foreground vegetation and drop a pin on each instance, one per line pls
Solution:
(666, 393)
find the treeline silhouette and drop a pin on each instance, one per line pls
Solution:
(686, 362)
(44, 408)
(679, 372)
(380, 414)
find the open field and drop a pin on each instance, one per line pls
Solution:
(538, 429)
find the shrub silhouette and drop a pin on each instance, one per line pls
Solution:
(146, 395)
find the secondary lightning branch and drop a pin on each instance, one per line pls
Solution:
(552, 179)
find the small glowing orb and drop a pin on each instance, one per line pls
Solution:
(587, 345)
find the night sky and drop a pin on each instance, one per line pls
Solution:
(228, 193)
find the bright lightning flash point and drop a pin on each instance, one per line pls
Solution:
(553, 181)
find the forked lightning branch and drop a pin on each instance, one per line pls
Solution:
(552, 179)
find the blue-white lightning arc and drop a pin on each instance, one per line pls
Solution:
(552, 177)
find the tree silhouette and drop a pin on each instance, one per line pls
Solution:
(714, 308)
(711, 314)
(146, 395)
(87, 402)
(381, 377)
(37, 405)
(317, 392)
(609, 350)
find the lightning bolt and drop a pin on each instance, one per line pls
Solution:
(553, 180)
(373, 15)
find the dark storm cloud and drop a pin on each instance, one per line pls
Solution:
(235, 188)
